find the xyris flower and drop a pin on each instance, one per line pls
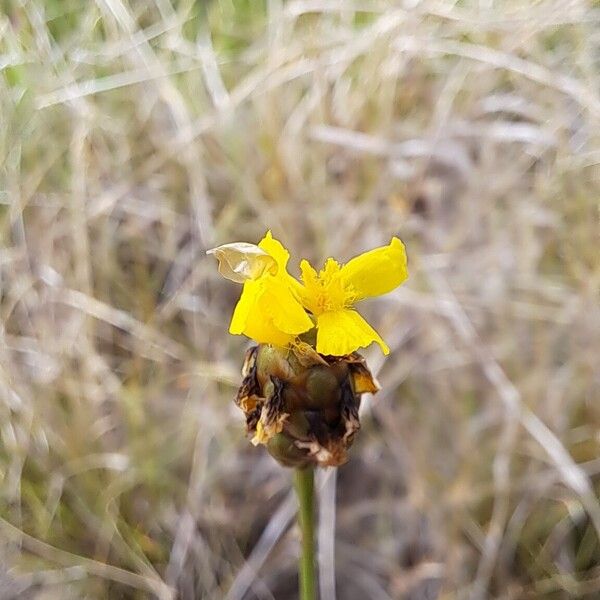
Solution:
(304, 380)
(331, 294)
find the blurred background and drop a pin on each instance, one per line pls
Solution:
(136, 134)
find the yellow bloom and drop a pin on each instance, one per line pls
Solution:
(269, 310)
(331, 293)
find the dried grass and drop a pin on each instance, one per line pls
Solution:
(134, 135)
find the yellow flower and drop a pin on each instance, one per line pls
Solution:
(269, 310)
(330, 295)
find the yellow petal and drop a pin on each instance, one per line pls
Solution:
(269, 313)
(275, 249)
(241, 262)
(251, 293)
(377, 271)
(341, 332)
(309, 292)
(287, 314)
(309, 275)
(259, 327)
(264, 332)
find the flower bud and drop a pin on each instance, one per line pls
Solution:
(303, 406)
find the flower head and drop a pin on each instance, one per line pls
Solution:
(301, 406)
(303, 381)
(331, 294)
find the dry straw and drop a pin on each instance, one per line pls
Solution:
(136, 135)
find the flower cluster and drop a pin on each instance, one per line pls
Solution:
(277, 309)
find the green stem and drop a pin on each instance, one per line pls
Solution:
(304, 484)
